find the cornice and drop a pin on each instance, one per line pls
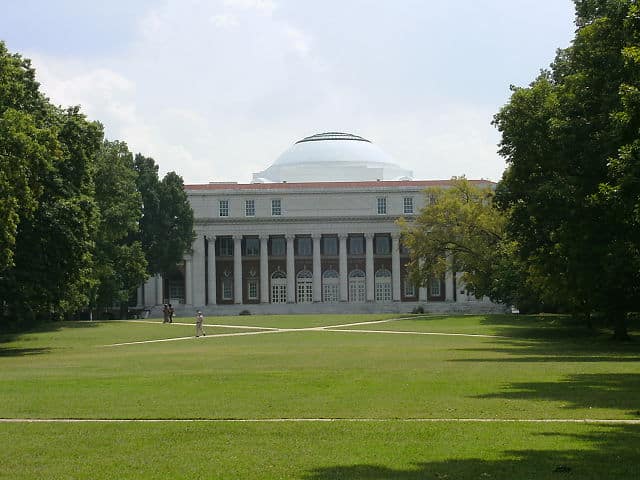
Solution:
(297, 220)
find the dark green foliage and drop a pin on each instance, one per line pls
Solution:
(572, 186)
(166, 226)
(120, 264)
(70, 208)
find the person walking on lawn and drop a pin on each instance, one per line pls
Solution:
(199, 320)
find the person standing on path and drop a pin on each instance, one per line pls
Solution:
(165, 313)
(171, 312)
(199, 320)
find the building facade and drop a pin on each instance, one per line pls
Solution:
(289, 243)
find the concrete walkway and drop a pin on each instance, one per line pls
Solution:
(612, 421)
(263, 330)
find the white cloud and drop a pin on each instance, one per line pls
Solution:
(298, 40)
(263, 6)
(225, 20)
(217, 90)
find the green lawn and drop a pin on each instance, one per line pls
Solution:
(535, 368)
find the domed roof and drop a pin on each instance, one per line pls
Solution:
(332, 156)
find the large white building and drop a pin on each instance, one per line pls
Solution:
(314, 232)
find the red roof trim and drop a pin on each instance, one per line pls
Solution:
(327, 185)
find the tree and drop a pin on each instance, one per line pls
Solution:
(460, 228)
(46, 182)
(166, 226)
(571, 141)
(52, 272)
(25, 146)
(120, 264)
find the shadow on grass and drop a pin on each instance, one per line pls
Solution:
(551, 326)
(554, 338)
(614, 390)
(22, 352)
(7, 338)
(612, 453)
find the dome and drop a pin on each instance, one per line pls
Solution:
(332, 157)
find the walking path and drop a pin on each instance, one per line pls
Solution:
(264, 330)
(605, 421)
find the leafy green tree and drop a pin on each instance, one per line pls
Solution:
(166, 226)
(26, 143)
(460, 228)
(53, 268)
(120, 264)
(24, 151)
(571, 143)
(46, 181)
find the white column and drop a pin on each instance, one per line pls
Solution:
(291, 270)
(395, 266)
(188, 281)
(159, 296)
(264, 268)
(344, 274)
(422, 290)
(211, 270)
(198, 267)
(460, 287)
(369, 267)
(237, 269)
(317, 268)
(448, 279)
(140, 296)
(150, 291)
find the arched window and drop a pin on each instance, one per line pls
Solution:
(383, 285)
(357, 286)
(278, 287)
(330, 286)
(304, 286)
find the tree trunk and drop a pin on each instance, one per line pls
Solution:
(620, 326)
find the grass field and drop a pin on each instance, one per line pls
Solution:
(321, 397)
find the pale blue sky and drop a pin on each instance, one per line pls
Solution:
(217, 89)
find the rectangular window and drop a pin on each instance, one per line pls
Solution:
(223, 208)
(408, 205)
(329, 246)
(383, 291)
(409, 288)
(276, 207)
(225, 246)
(382, 206)
(435, 287)
(249, 208)
(383, 245)
(278, 247)
(304, 247)
(227, 289)
(252, 247)
(330, 292)
(278, 292)
(356, 245)
(252, 289)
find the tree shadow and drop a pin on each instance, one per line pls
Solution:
(22, 352)
(612, 453)
(617, 391)
(6, 339)
(552, 326)
(551, 338)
